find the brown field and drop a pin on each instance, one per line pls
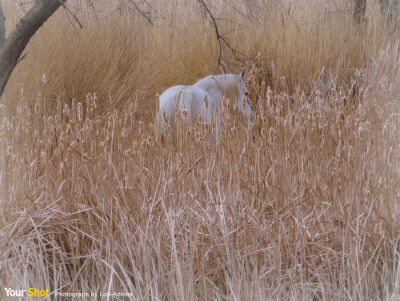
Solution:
(302, 203)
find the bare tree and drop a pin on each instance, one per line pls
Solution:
(21, 34)
(12, 47)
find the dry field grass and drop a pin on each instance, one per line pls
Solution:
(300, 204)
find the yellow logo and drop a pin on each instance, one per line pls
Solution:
(33, 292)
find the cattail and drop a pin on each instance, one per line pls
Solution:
(44, 78)
(177, 104)
(74, 110)
(59, 109)
(79, 110)
(206, 102)
(235, 108)
(38, 105)
(184, 113)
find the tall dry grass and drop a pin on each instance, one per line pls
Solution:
(302, 203)
(115, 55)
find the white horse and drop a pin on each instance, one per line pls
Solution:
(204, 98)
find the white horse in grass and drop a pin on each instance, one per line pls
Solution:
(204, 99)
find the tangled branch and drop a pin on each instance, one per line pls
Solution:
(220, 38)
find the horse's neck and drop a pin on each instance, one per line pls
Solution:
(210, 85)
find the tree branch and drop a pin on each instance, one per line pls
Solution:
(141, 11)
(73, 15)
(220, 38)
(21, 35)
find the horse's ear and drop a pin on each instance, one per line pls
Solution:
(242, 74)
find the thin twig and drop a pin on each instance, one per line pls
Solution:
(74, 16)
(70, 21)
(141, 11)
(71, 13)
(22, 57)
(220, 38)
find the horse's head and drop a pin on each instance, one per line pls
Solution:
(243, 101)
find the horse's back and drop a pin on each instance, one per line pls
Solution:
(187, 98)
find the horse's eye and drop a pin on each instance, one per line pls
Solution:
(246, 93)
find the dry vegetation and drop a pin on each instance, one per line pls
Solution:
(301, 204)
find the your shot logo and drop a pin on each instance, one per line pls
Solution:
(30, 292)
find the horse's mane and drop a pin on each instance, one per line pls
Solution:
(226, 83)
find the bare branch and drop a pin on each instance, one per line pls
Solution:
(71, 21)
(73, 15)
(21, 34)
(141, 11)
(220, 38)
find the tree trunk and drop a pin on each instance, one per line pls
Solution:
(360, 8)
(22, 33)
(2, 27)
